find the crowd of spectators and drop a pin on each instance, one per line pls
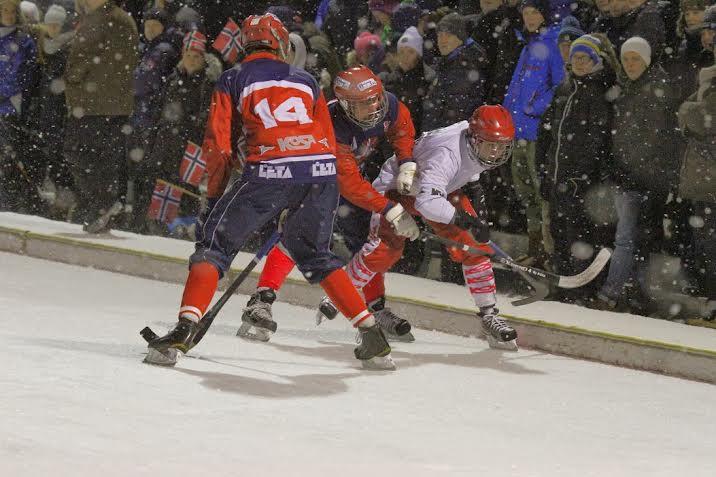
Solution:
(613, 102)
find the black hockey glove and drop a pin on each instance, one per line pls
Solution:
(478, 227)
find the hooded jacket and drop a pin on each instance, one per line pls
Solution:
(538, 73)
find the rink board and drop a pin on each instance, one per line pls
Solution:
(620, 339)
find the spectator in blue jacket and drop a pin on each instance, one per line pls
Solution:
(18, 64)
(539, 71)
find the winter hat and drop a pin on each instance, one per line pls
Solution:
(571, 29)
(188, 19)
(638, 45)
(709, 19)
(56, 15)
(693, 5)
(195, 41)
(364, 41)
(288, 16)
(588, 44)
(454, 23)
(407, 15)
(386, 6)
(157, 14)
(412, 39)
(30, 12)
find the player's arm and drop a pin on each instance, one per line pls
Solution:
(354, 187)
(217, 143)
(401, 135)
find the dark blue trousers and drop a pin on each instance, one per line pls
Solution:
(247, 206)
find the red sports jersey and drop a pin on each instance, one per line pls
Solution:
(356, 144)
(281, 116)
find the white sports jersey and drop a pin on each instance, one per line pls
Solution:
(444, 166)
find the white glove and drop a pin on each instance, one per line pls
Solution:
(402, 222)
(405, 177)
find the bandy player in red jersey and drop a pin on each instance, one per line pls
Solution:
(289, 164)
(448, 160)
(363, 114)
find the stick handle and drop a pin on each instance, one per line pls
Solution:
(208, 318)
(183, 190)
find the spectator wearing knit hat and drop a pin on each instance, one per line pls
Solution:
(369, 51)
(184, 111)
(538, 73)
(645, 170)
(573, 150)
(684, 64)
(459, 85)
(410, 80)
(569, 31)
(30, 12)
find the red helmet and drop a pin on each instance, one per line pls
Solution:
(265, 32)
(361, 95)
(492, 126)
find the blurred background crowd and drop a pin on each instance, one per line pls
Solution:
(613, 100)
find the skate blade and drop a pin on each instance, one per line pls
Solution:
(406, 338)
(252, 333)
(384, 363)
(157, 358)
(320, 318)
(502, 345)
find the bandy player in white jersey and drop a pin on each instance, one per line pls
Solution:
(447, 160)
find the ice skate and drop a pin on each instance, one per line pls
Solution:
(374, 350)
(258, 324)
(326, 310)
(498, 333)
(394, 327)
(164, 350)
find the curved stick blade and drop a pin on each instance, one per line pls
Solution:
(590, 273)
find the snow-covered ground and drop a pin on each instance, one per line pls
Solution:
(75, 399)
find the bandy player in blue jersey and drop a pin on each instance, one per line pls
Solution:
(289, 162)
(362, 115)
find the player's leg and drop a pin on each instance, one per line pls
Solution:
(479, 280)
(307, 236)
(257, 318)
(241, 210)
(367, 269)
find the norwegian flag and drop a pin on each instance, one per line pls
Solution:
(192, 165)
(195, 41)
(165, 203)
(228, 43)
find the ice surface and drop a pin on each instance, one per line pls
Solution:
(75, 399)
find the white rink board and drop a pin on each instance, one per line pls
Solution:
(75, 400)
